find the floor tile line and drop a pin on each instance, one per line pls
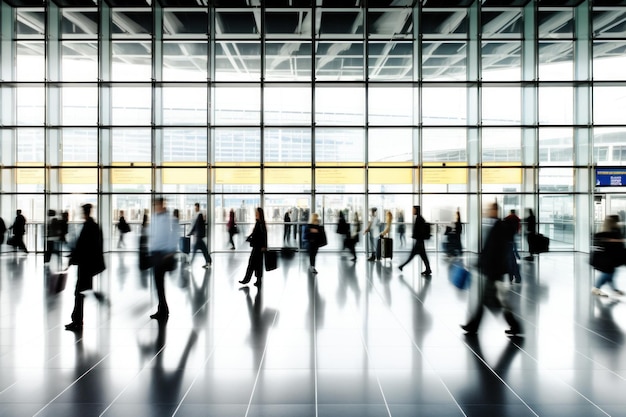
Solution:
(71, 385)
(380, 387)
(612, 372)
(270, 333)
(421, 352)
(131, 380)
(314, 330)
(561, 380)
(191, 384)
(495, 373)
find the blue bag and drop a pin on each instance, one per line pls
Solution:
(460, 276)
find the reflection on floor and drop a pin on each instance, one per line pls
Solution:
(357, 339)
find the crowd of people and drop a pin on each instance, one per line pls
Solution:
(161, 240)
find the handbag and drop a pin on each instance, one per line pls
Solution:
(600, 259)
(323, 241)
(271, 260)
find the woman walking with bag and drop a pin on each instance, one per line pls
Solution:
(258, 241)
(611, 255)
(232, 228)
(315, 238)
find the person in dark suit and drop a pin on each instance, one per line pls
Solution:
(19, 230)
(611, 241)
(88, 255)
(492, 263)
(231, 226)
(258, 241)
(53, 233)
(343, 229)
(531, 232)
(123, 228)
(162, 244)
(3, 229)
(513, 224)
(418, 246)
(314, 237)
(287, 221)
(199, 231)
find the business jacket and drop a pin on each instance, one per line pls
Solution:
(493, 258)
(88, 254)
(258, 241)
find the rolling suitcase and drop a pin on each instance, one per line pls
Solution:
(185, 244)
(539, 244)
(56, 281)
(386, 247)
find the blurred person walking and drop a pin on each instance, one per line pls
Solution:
(199, 231)
(3, 230)
(232, 228)
(287, 226)
(53, 234)
(608, 255)
(315, 238)
(531, 232)
(401, 228)
(492, 262)
(384, 234)
(513, 224)
(88, 255)
(373, 228)
(19, 230)
(419, 226)
(162, 241)
(343, 229)
(258, 242)
(122, 228)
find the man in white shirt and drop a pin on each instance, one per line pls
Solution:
(162, 244)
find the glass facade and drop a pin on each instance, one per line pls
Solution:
(313, 106)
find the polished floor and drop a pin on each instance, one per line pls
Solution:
(357, 339)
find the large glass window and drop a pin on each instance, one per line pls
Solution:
(300, 108)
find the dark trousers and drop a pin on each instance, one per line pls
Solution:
(199, 245)
(512, 266)
(83, 283)
(492, 294)
(286, 233)
(350, 243)
(418, 249)
(313, 249)
(160, 268)
(255, 264)
(19, 242)
(52, 246)
(230, 239)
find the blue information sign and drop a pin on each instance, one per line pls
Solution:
(611, 177)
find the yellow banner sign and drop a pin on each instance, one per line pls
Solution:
(133, 173)
(79, 173)
(444, 173)
(237, 176)
(30, 175)
(339, 176)
(184, 173)
(390, 173)
(505, 173)
(288, 176)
